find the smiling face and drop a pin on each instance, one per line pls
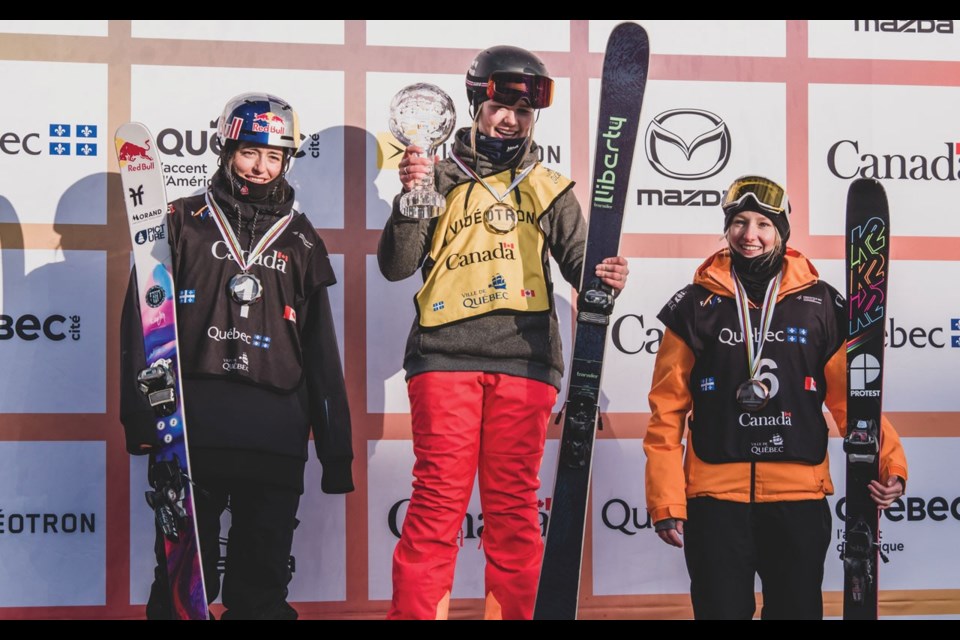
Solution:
(752, 234)
(505, 121)
(257, 164)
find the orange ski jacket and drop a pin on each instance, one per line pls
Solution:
(672, 477)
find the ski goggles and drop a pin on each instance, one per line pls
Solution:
(509, 88)
(769, 196)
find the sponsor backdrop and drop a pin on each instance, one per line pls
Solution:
(811, 103)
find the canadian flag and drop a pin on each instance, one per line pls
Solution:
(527, 293)
(289, 313)
(809, 384)
(281, 255)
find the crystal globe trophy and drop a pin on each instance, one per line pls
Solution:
(424, 115)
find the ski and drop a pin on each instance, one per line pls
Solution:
(171, 495)
(622, 86)
(867, 258)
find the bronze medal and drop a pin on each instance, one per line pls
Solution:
(753, 395)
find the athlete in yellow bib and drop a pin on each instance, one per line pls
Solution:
(487, 255)
(484, 359)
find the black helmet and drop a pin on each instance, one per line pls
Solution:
(507, 74)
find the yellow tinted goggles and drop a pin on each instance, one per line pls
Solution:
(769, 196)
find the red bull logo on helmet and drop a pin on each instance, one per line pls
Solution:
(274, 123)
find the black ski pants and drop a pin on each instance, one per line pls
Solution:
(726, 544)
(257, 562)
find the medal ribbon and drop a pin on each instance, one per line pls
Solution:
(473, 174)
(766, 318)
(233, 243)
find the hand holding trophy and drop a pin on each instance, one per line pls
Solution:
(423, 115)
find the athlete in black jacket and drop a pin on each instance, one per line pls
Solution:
(259, 361)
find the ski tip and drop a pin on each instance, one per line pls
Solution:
(629, 32)
(133, 142)
(628, 26)
(131, 127)
(865, 185)
(867, 200)
(626, 57)
(867, 194)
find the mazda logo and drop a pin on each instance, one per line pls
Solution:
(688, 144)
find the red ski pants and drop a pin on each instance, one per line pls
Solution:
(468, 424)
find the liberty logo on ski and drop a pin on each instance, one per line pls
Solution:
(605, 183)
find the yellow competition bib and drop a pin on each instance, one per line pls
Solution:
(488, 254)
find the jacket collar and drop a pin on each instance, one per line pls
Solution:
(714, 273)
(481, 164)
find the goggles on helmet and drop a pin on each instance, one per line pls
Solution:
(768, 195)
(509, 88)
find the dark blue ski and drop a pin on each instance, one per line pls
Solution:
(623, 82)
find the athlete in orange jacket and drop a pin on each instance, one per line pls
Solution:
(749, 496)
